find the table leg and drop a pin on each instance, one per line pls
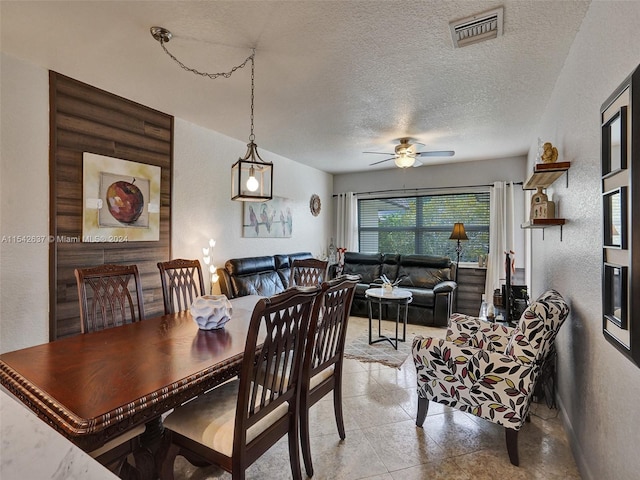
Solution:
(370, 315)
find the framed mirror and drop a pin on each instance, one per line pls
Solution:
(620, 191)
(615, 218)
(614, 143)
(615, 298)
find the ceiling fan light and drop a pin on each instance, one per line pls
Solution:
(404, 161)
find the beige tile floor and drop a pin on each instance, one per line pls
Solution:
(383, 442)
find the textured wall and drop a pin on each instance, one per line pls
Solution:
(598, 386)
(203, 209)
(24, 204)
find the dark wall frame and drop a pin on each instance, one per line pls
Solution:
(83, 118)
(623, 104)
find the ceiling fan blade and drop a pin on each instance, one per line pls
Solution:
(380, 153)
(417, 163)
(441, 153)
(381, 161)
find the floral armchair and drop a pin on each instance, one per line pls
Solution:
(486, 369)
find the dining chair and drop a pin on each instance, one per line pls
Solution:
(236, 423)
(324, 354)
(182, 283)
(106, 294)
(308, 272)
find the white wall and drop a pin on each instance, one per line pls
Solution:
(24, 204)
(598, 387)
(202, 208)
(202, 179)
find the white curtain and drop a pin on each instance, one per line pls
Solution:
(347, 221)
(501, 233)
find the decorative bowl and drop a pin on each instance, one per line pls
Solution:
(211, 312)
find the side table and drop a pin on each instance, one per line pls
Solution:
(398, 296)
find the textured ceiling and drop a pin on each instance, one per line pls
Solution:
(332, 78)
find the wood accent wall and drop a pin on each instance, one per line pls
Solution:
(86, 119)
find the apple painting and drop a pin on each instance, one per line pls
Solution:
(125, 201)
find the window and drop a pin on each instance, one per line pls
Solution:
(423, 224)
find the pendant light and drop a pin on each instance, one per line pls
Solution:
(251, 176)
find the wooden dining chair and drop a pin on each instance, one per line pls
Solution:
(106, 294)
(308, 272)
(182, 283)
(324, 354)
(237, 422)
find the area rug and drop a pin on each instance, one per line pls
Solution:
(382, 352)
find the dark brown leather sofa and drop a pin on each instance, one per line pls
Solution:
(429, 278)
(265, 276)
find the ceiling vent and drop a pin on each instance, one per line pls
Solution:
(477, 28)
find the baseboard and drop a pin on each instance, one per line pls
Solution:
(578, 456)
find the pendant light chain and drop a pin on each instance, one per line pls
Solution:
(252, 137)
(205, 74)
(251, 176)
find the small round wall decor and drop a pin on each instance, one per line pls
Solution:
(315, 205)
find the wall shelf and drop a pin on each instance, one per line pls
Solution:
(544, 174)
(543, 223)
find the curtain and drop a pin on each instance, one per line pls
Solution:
(347, 221)
(501, 233)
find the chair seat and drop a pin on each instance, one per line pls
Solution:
(113, 443)
(210, 418)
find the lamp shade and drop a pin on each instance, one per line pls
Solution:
(458, 232)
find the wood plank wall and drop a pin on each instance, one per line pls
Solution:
(86, 119)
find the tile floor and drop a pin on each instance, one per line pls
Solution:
(383, 442)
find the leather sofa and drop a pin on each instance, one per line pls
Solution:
(264, 276)
(429, 278)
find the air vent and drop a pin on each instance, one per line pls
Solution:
(477, 28)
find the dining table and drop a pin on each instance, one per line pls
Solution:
(95, 386)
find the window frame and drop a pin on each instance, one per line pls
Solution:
(419, 229)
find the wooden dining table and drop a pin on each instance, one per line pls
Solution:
(95, 386)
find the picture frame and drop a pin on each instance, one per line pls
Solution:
(614, 143)
(270, 219)
(120, 200)
(615, 285)
(614, 203)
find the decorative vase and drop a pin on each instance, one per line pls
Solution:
(211, 311)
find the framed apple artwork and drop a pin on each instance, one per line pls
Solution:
(120, 200)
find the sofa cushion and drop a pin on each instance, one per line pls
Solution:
(390, 264)
(367, 265)
(264, 284)
(424, 270)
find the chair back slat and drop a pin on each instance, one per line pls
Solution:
(182, 282)
(329, 324)
(270, 374)
(308, 272)
(109, 296)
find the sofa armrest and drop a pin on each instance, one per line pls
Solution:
(445, 287)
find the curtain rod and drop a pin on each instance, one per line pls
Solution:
(406, 190)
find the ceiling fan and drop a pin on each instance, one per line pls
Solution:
(406, 153)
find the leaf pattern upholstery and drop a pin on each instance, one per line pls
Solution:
(489, 370)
